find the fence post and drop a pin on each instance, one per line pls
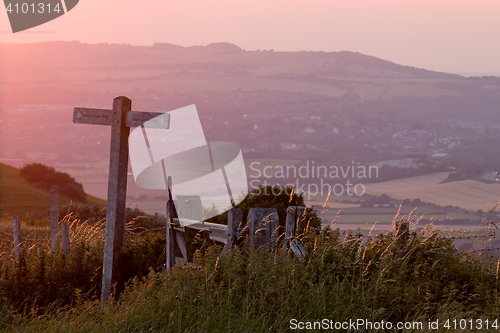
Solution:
(189, 207)
(402, 236)
(301, 220)
(273, 230)
(290, 227)
(170, 230)
(54, 216)
(65, 238)
(263, 224)
(17, 236)
(293, 215)
(169, 237)
(234, 218)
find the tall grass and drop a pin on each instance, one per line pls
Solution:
(343, 277)
(42, 282)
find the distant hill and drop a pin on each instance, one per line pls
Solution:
(166, 68)
(52, 59)
(18, 197)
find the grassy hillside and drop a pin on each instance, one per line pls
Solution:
(18, 197)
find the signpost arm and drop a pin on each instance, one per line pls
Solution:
(117, 186)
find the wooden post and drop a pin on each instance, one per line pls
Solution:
(189, 207)
(291, 226)
(54, 216)
(273, 230)
(117, 187)
(262, 224)
(181, 245)
(17, 236)
(402, 236)
(301, 219)
(65, 238)
(293, 216)
(170, 231)
(186, 206)
(234, 218)
(121, 118)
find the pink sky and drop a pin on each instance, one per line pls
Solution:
(445, 35)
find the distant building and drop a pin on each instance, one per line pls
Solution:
(288, 146)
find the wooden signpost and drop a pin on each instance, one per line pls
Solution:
(121, 118)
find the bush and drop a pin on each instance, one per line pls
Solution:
(43, 176)
(276, 196)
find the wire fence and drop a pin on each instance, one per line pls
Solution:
(463, 252)
(35, 239)
(75, 230)
(132, 232)
(493, 235)
(128, 231)
(33, 228)
(88, 232)
(6, 233)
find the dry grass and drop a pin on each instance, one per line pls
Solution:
(342, 278)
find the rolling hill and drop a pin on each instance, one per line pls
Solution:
(164, 68)
(18, 197)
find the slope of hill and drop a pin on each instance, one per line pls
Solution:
(18, 197)
(54, 58)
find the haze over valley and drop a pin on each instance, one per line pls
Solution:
(282, 108)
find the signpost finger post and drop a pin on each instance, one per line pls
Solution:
(121, 118)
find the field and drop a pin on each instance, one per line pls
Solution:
(468, 194)
(344, 212)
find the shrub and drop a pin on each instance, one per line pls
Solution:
(276, 196)
(43, 176)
